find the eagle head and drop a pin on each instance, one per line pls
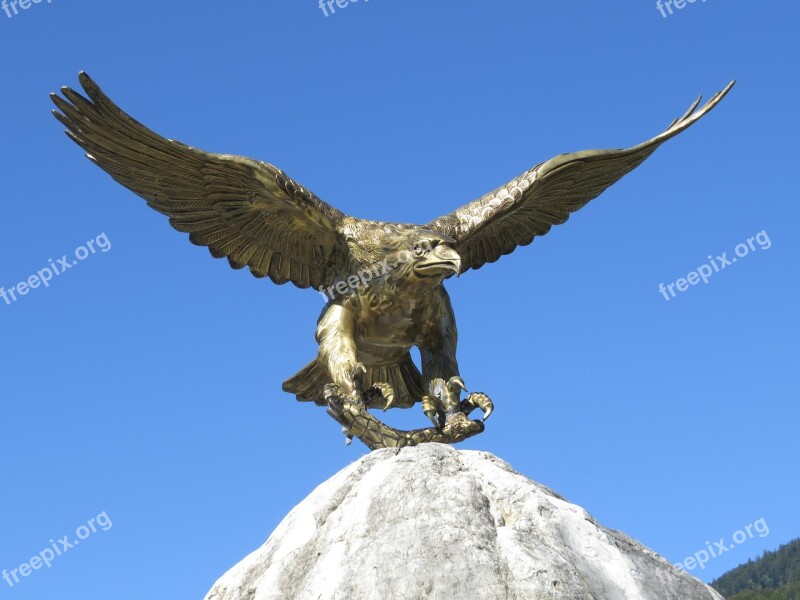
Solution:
(421, 255)
(399, 254)
(432, 255)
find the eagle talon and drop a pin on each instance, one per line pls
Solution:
(434, 417)
(359, 423)
(430, 406)
(478, 400)
(380, 393)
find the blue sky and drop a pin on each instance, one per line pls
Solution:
(145, 382)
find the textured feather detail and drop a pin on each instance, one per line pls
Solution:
(248, 211)
(528, 206)
(308, 383)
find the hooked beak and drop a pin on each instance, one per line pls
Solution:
(441, 260)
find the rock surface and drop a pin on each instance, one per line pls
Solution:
(433, 522)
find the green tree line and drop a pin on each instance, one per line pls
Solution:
(773, 576)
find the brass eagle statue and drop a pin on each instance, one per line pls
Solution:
(383, 282)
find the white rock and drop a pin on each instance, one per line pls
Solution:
(432, 522)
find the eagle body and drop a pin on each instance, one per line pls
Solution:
(389, 309)
(383, 281)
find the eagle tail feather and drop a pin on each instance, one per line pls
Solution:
(308, 383)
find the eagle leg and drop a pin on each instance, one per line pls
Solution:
(358, 422)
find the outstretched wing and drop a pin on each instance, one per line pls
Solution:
(528, 206)
(246, 210)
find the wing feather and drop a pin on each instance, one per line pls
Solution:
(528, 206)
(246, 210)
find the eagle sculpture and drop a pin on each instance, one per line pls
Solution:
(383, 281)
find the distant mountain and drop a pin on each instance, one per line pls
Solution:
(774, 576)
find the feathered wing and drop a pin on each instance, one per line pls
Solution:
(528, 206)
(246, 210)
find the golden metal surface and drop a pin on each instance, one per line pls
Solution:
(383, 281)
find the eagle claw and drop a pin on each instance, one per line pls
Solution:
(358, 422)
(380, 393)
(478, 400)
(444, 400)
